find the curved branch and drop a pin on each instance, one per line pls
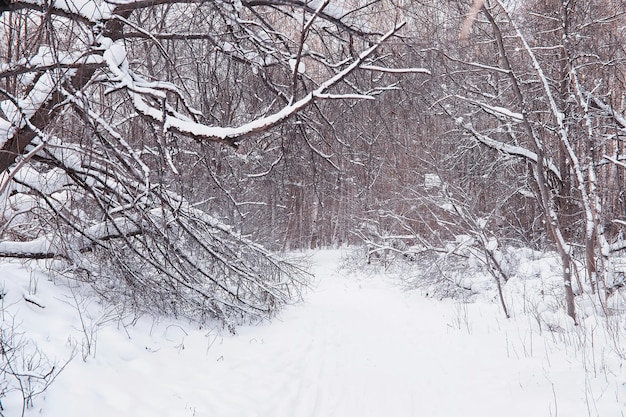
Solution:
(232, 135)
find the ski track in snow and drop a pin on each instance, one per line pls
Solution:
(357, 346)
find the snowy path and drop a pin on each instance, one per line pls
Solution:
(356, 347)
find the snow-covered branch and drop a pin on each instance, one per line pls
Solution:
(232, 135)
(500, 112)
(508, 149)
(377, 68)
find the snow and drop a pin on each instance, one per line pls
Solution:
(329, 8)
(432, 181)
(6, 130)
(495, 110)
(41, 245)
(301, 66)
(396, 70)
(87, 9)
(19, 111)
(356, 346)
(115, 55)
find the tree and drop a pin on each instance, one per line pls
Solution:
(109, 118)
(534, 89)
(522, 118)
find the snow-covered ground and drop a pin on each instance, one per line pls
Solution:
(356, 346)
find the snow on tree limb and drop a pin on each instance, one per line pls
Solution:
(495, 110)
(609, 110)
(508, 149)
(232, 135)
(81, 68)
(182, 253)
(85, 11)
(396, 70)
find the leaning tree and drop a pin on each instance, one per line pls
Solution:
(114, 119)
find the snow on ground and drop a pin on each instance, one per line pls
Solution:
(357, 346)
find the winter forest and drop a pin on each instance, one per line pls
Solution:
(197, 163)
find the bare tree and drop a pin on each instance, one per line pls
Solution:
(522, 117)
(531, 85)
(109, 115)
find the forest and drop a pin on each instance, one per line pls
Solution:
(171, 154)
